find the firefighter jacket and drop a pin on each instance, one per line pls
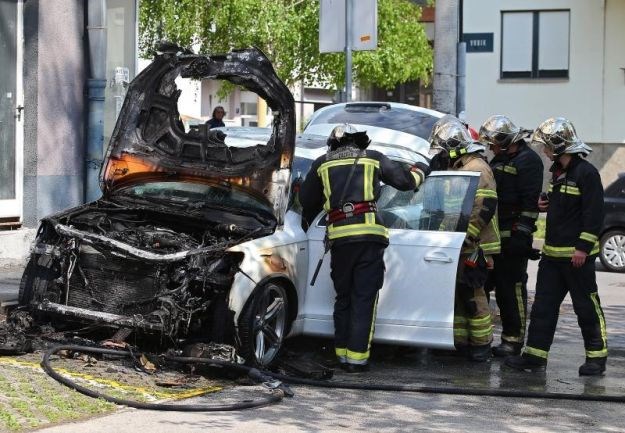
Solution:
(326, 181)
(519, 178)
(483, 230)
(575, 212)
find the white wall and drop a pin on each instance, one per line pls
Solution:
(614, 91)
(580, 97)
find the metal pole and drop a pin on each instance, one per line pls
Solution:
(348, 50)
(445, 50)
(461, 83)
(96, 84)
(301, 105)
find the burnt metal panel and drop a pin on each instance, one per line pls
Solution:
(149, 138)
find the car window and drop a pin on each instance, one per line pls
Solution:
(300, 169)
(443, 203)
(379, 115)
(301, 166)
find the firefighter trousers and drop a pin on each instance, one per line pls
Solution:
(509, 277)
(472, 320)
(357, 270)
(554, 280)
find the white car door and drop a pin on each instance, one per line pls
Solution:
(427, 228)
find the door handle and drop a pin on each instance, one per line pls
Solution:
(438, 258)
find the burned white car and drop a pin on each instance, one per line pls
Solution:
(198, 233)
(153, 254)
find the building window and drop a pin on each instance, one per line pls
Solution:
(535, 44)
(249, 108)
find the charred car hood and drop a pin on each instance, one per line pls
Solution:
(150, 143)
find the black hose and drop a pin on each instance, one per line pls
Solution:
(275, 397)
(418, 389)
(265, 376)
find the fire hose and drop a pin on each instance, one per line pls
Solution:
(277, 383)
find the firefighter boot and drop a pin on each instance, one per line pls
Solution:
(526, 363)
(507, 349)
(592, 367)
(480, 353)
(355, 368)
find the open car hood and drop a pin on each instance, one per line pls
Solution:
(150, 143)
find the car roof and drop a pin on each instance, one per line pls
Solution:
(312, 146)
(380, 121)
(391, 104)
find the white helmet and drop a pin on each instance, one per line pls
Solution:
(558, 134)
(346, 134)
(499, 130)
(450, 134)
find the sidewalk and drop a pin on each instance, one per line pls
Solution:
(11, 271)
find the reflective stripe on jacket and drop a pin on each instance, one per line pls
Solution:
(326, 181)
(575, 213)
(519, 178)
(483, 229)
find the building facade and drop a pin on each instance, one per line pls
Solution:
(45, 103)
(541, 58)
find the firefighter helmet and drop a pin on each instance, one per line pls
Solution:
(345, 135)
(449, 134)
(558, 135)
(499, 130)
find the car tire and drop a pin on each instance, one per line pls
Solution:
(263, 325)
(39, 273)
(612, 253)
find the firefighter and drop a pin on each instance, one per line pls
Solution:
(518, 173)
(472, 320)
(345, 182)
(574, 206)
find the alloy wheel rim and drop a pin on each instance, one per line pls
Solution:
(269, 324)
(614, 251)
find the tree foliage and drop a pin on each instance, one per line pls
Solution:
(287, 31)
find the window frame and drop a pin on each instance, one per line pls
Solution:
(535, 73)
(466, 206)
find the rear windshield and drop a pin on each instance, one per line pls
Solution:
(379, 115)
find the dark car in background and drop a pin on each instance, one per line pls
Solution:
(612, 253)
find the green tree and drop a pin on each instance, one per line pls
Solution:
(287, 31)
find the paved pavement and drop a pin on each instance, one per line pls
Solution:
(315, 409)
(10, 275)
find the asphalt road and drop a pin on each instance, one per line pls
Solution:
(314, 409)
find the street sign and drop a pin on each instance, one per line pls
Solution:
(478, 42)
(364, 34)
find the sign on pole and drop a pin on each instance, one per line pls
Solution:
(364, 29)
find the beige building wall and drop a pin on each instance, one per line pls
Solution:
(593, 97)
(614, 73)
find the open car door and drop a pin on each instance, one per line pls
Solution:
(427, 228)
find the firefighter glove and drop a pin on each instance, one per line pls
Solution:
(475, 270)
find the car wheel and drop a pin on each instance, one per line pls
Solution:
(612, 254)
(263, 325)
